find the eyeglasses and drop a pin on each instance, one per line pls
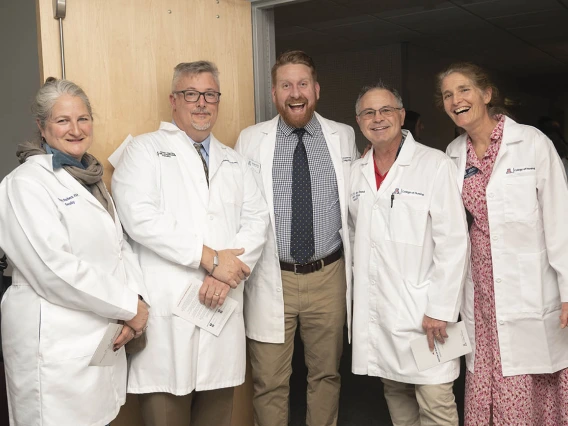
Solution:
(193, 96)
(369, 113)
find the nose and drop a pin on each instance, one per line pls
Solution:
(295, 92)
(75, 128)
(377, 116)
(201, 100)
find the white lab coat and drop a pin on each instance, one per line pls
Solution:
(410, 259)
(264, 302)
(73, 275)
(527, 201)
(169, 212)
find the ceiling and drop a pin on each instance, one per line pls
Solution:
(525, 37)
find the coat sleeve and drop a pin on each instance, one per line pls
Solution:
(449, 232)
(552, 192)
(37, 242)
(137, 194)
(254, 220)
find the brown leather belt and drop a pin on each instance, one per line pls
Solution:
(314, 266)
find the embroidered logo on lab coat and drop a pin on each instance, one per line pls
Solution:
(166, 154)
(516, 170)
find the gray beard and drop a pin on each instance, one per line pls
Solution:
(201, 127)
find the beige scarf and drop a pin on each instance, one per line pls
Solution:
(90, 177)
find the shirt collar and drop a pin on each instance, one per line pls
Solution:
(312, 127)
(205, 144)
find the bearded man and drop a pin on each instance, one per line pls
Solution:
(301, 163)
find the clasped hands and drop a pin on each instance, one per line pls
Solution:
(133, 328)
(227, 275)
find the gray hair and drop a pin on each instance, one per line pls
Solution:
(194, 68)
(48, 95)
(380, 85)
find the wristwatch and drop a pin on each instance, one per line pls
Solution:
(215, 262)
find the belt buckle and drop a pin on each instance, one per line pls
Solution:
(295, 270)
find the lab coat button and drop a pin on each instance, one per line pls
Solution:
(373, 245)
(278, 289)
(501, 322)
(120, 256)
(375, 206)
(495, 237)
(491, 195)
(498, 280)
(210, 217)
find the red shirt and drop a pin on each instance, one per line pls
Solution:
(378, 176)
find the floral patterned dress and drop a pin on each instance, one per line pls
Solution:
(490, 398)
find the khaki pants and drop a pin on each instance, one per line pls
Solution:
(316, 302)
(206, 408)
(421, 405)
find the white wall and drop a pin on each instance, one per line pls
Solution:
(19, 77)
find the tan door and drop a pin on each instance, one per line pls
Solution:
(122, 53)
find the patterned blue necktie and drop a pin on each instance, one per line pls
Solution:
(302, 246)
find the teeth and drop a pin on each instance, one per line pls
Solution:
(462, 109)
(296, 105)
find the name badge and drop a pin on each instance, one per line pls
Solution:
(254, 165)
(470, 172)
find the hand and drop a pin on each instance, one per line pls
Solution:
(564, 315)
(125, 336)
(231, 269)
(213, 292)
(138, 323)
(435, 329)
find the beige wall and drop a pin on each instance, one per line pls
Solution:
(122, 52)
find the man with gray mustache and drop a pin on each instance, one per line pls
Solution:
(301, 162)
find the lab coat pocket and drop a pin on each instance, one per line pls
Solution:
(411, 311)
(521, 201)
(530, 266)
(407, 222)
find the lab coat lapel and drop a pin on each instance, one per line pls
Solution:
(267, 145)
(191, 166)
(217, 154)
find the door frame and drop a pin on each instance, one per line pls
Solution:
(264, 55)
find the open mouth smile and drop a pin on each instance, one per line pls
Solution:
(461, 110)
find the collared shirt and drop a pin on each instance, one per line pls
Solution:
(379, 178)
(204, 145)
(325, 195)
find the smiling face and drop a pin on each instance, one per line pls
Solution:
(69, 129)
(380, 130)
(295, 94)
(196, 119)
(464, 102)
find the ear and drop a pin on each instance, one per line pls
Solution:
(402, 115)
(487, 95)
(317, 87)
(173, 100)
(40, 129)
(274, 95)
